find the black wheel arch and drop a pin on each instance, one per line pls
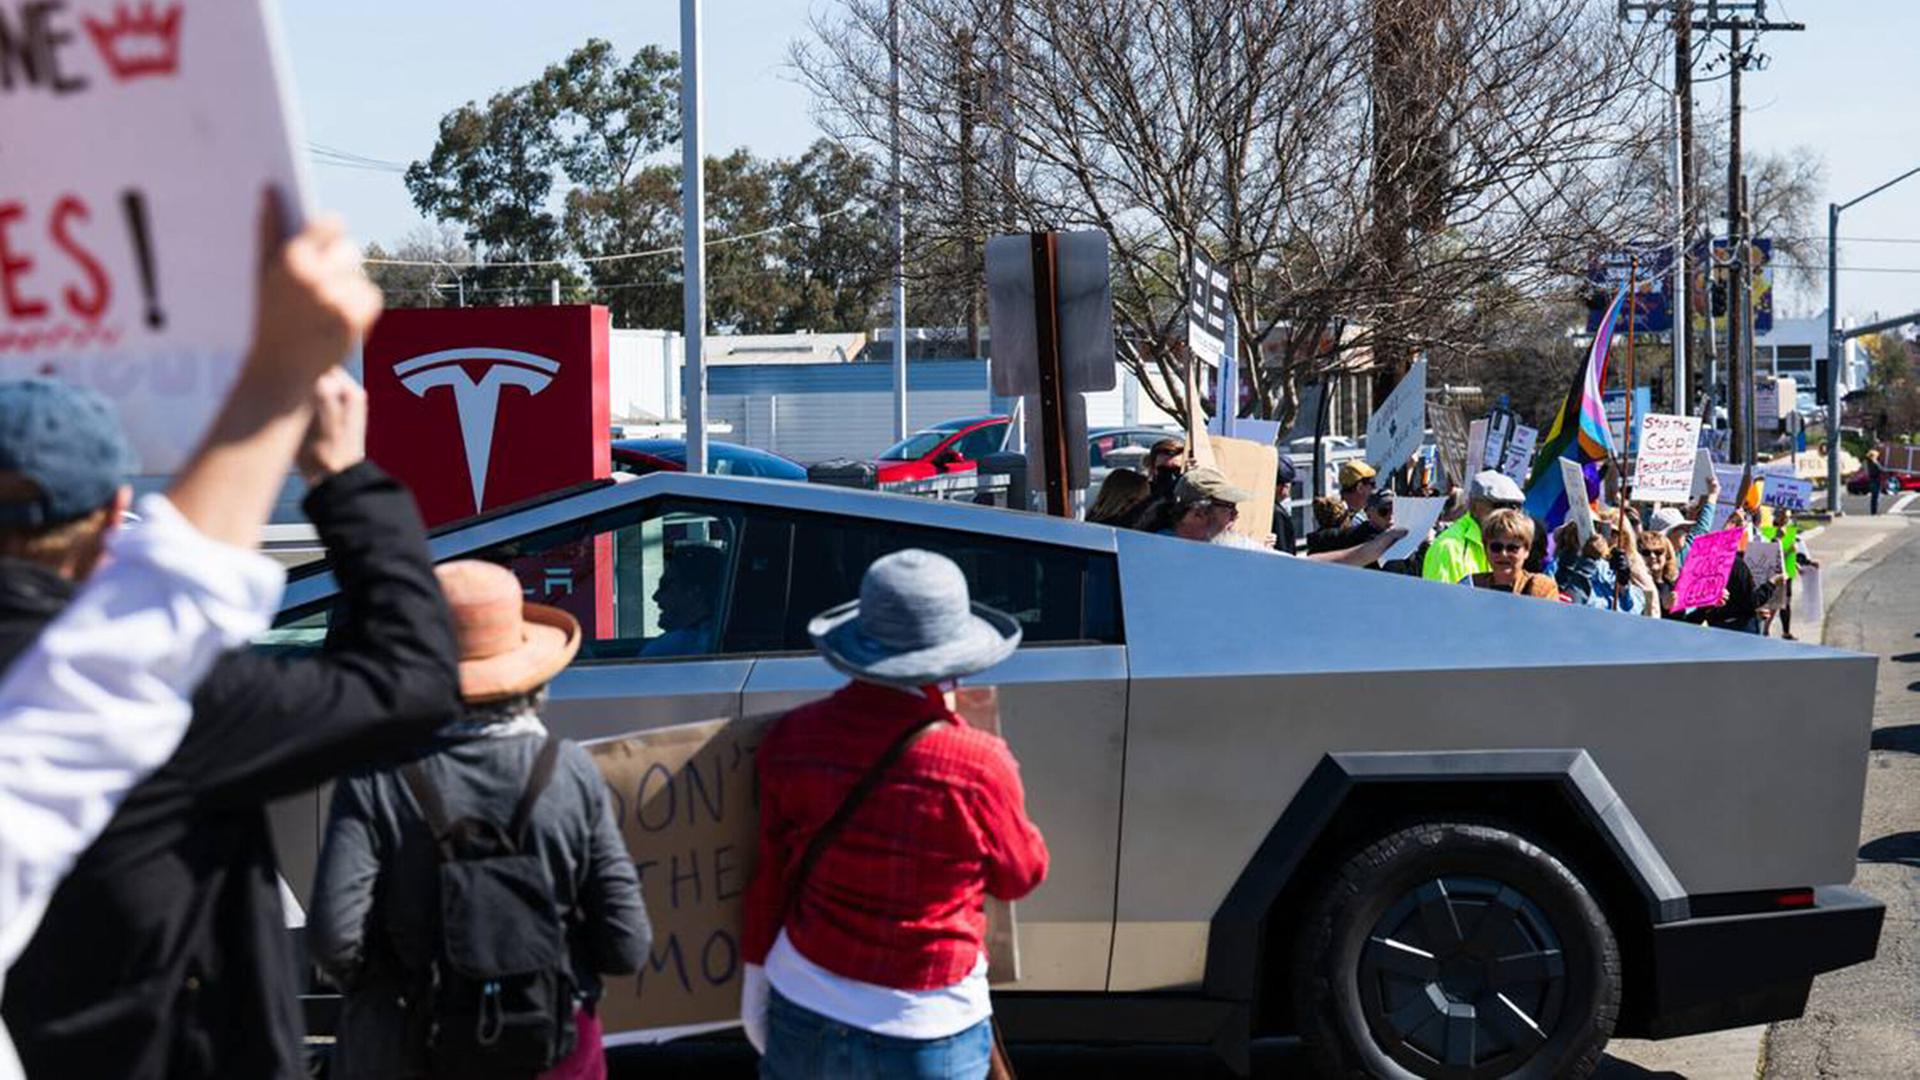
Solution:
(1559, 799)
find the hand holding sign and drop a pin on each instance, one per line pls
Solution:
(1703, 577)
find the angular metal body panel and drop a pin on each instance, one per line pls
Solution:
(1740, 756)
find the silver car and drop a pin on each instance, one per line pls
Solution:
(1436, 830)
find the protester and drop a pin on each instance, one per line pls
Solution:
(1120, 498)
(1876, 481)
(1586, 573)
(1657, 550)
(1206, 506)
(99, 696)
(493, 788)
(1793, 557)
(1459, 552)
(1330, 521)
(114, 983)
(1166, 461)
(866, 956)
(1357, 485)
(1742, 599)
(1508, 537)
(1283, 531)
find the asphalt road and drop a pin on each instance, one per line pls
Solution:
(1865, 1021)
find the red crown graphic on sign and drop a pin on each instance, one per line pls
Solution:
(138, 44)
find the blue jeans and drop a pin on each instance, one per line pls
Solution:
(803, 1045)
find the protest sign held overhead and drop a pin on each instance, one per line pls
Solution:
(1396, 428)
(1703, 576)
(1669, 452)
(1787, 492)
(1578, 512)
(1517, 460)
(138, 143)
(1476, 450)
(1450, 436)
(1417, 516)
(1209, 309)
(1763, 559)
(1702, 473)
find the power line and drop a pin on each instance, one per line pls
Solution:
(594, 259)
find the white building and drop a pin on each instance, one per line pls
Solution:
(1797, 349)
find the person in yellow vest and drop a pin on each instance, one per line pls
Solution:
(1793, 556)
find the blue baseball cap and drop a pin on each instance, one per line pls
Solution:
(65, 440)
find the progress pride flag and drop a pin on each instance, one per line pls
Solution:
(136, 140)
(1703, 576)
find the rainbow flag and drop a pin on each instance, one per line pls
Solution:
(1579, 431)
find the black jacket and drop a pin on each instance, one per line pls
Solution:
(164, 953)
(1745, 598)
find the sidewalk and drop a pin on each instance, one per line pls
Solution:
(1841, 549)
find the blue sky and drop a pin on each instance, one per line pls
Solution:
(374, 79)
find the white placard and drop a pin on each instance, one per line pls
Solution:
(1763, 559)
(1395, 429)
(1669, 449)
(1810, 595)
(1702, 473)
(1578, 511)
(1417, 516)
(1519, 456)
(1766, 404)
(1476, 450)
(138, 140)
(1787, 492)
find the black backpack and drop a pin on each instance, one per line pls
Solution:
(499, 996)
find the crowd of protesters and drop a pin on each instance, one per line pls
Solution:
(472, 887)
(1629, 563)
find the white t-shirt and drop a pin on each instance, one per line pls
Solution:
(100, 699)
(883, 1010)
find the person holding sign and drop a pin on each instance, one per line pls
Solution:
(1793, 556)
(885, 822)
(490, 859)
(1508, 536)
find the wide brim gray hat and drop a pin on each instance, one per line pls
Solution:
(913, 625)
(1665, 520)
(1497, 487)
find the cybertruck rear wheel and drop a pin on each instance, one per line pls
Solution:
(1456, 950)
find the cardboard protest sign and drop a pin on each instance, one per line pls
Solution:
(1417, 516)
(1578, 511)
(1703, 576)
(1669, 452)
(1766, 404)
(138, 142)
(1256, 468)
(1476, 450)
(685, 801)
(1702, 473)
(1396, 428)
(1787, 492)
(1450, 437)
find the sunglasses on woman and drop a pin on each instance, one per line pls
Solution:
(1499, 548)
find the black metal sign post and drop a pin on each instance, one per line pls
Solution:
(1053, 397)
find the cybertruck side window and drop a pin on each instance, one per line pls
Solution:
(1060, 595)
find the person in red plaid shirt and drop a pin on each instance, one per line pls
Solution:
(869, 960)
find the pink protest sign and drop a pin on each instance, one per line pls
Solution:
(1703, 576)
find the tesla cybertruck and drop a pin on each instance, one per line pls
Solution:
(1435, 831)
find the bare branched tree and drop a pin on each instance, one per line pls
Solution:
(1394, 166)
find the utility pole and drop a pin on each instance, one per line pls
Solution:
(1683, 201)
(899, 237)
(693, 244)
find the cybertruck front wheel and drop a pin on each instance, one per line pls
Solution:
(1455, 950)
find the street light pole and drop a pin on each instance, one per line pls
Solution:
(1834, 342)
(693, 200)
(899, 237)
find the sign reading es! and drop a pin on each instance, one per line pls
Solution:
(138, 140)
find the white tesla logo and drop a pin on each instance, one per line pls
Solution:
(476, 403)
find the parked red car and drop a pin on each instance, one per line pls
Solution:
(955, 446)
(1890, 481)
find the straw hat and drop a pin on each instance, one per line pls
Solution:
(507, 646)
(913, 625)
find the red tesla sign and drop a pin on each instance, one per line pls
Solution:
(476, 408)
